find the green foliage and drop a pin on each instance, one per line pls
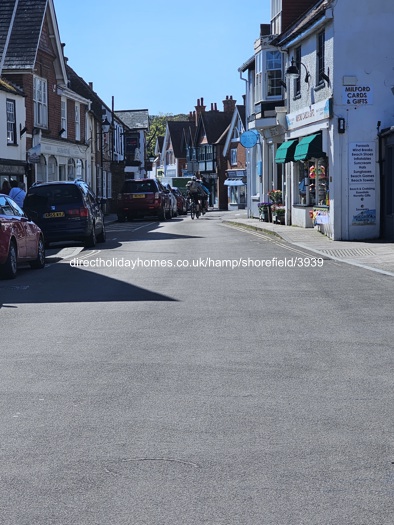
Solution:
(157, 128)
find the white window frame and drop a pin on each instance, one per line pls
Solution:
(11, 121)
(258, 85)
(40, 101)
(63, 117)
(273, 73)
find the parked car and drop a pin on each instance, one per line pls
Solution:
(66, 211)
(21, 240)
(181, 201)
(143, 197)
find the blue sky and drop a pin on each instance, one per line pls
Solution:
(161, 56)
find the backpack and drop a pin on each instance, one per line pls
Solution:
(194, 187)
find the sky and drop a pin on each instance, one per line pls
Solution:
(161, 56)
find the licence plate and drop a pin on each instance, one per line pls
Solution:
(53, 214)
(139, 196)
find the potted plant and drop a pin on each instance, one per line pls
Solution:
(278, 213)
(275, 196)
(264, 211)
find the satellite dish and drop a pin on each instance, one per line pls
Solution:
(248, 139)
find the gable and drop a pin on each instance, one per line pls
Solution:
(30, 26)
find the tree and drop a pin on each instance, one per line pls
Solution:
(157, 128)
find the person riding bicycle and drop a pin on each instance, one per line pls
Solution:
(196, 193)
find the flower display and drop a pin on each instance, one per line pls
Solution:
(275, 196)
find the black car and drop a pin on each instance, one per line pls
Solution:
(66, 211)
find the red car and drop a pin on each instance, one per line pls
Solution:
(143, 197)
(21, 240)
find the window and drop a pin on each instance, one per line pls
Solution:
(233, 155)
(274, 73)
(40, 102)
(297, 81)
(313, 187)
(11, 122)
(320, 66)
(77, 122)
(63, 110)
(276, 14)
(258, 86)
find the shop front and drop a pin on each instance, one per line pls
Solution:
(236, 189)
(306, 158)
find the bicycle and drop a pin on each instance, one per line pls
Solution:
(194, 209)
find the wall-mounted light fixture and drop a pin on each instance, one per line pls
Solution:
(61, 132)
(22, 131)
(341, 125)
(294, 73)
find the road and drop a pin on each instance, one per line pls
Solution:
(146, 382)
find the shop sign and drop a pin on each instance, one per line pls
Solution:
(357, 95)
(362, 183)
(309, 115)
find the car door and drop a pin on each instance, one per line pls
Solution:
(16, 218)
(30, 231)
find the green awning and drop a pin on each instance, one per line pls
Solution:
(309, 147)
(285, 152)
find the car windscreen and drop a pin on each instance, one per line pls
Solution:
(139, 186)
(52, 195)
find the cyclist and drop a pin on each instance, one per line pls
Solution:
(196, 193)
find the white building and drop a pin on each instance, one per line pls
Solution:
(328, 165)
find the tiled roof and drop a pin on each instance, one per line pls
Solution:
(176, 130)
(25, 35)
(215, 124)
(6, 85)
(77, 84)
(303, 22)
(134, 118)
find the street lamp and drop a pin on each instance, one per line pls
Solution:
(105, 127)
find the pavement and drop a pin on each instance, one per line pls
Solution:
(375, 255)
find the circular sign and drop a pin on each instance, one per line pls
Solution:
(248, 139)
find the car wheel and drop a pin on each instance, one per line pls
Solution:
(39, 261)
(10, 267)
(102, 237)
(90, 241)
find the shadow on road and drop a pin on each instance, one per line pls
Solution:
(62, 283)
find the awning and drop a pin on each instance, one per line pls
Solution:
(234, 182)
(285, 152)
(309, 147)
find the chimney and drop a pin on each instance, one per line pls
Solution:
(200, 108)
(229, 104)
(91, 85)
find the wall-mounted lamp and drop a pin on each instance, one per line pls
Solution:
(22, 131)
(105, 125)
(294, 73)
(61, 132)
(341, 125)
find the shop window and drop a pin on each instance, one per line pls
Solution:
(313, 188)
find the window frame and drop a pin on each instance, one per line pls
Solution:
(40, 102)
(273, 74)
(320, 56)
(11, 121)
